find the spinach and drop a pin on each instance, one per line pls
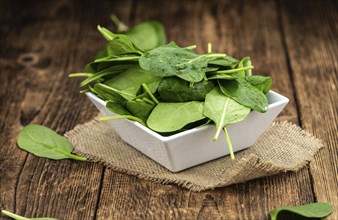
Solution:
(44, 142)
(244, 93)
(226, 61)
(147, 35)
(171, 60)
(312, 210)
(173, 89)
(140, 108)
(263, 83)
(223, 111)
(130, 81)
(169, 88)
(168, 117)
(18, 217)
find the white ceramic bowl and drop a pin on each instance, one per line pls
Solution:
(193, 147)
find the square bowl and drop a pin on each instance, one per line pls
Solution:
(192, 147)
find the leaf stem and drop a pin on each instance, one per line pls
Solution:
(209, 47)
(14, 216)
(148, 101)
(234, 70)
(115, 117)
(145, 87)
(71, 75)
(191, 47)
(227, 138)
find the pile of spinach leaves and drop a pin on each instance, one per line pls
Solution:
(169, 88)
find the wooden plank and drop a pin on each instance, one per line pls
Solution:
(44, 43)
(192, 22)
(311, 34)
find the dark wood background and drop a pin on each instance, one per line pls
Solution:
(295, 42)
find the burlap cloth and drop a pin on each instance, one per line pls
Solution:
(283, 147)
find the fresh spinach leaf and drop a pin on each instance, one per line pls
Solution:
(244, 93)
(173, 89)
(263, 83)
(110, 94)
(140, 108)
(147, 35)
(117, 108)
(224, 61)
(312, 210)
(168, 117)
(18, 217)
(122, 44)
(223, 111)
(111, 70)
(129, 82)
(171, 60)
(44, 142)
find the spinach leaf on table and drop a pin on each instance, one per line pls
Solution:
(168, 117)
(44, 142)
(173, 89)
(312, 210)
(244, 93)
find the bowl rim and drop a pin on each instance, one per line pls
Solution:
(281, 100)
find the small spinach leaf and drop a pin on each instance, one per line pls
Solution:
(140, 108)
(122, 44)
(312, 210)
(224, 61)
(168, 117)
(244, 93)
(173, 89)
(262, 83)
(117, 108)
(44, 142)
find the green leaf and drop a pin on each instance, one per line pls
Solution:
(173, 89)
(147, 35)
(171, 60)
(168, 117)
(44, 142)
(110, 94)
(111, 70)
(226, 61)
(18, 217)
(312, 210)
(117, 108)
(244, 93)
(140, 108)
(223, 110)
(263, 83)
(129, 82)
(122, 44)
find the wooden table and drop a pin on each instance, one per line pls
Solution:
(295, 42)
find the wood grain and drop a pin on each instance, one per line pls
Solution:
(312, 48)
(294, 42)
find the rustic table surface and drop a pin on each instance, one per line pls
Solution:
(295, 42)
